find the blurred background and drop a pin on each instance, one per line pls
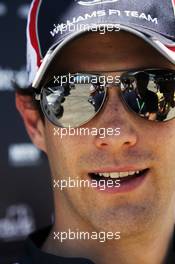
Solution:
(25, 190)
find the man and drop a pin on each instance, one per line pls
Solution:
(135, 211)
(141, 99)
(167, 100)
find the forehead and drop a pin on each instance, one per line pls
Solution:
(108, 52)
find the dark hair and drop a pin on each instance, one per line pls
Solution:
(28, 91)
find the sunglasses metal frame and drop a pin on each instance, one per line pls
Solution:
(124, 73)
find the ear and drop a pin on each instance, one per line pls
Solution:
(32, 120)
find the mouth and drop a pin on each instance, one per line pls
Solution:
(122, 176)
(122, 180)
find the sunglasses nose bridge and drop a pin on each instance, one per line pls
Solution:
(113, 84)
(113, 89)
(114, 105)
(115, 116)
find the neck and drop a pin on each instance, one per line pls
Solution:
(150, 247)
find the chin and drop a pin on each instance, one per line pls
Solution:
(129, 221)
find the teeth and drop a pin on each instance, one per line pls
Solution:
(117, 174)
(114, 174)
(132, 172)
(106, 175)
(124, 174)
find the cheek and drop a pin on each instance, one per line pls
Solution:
(64, 153)
(165, 141)
(160, 138)
(165, 151)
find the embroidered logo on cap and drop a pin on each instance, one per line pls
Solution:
(96, 2)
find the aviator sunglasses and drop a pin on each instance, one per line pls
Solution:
(71, 100)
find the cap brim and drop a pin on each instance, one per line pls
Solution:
(165, 46)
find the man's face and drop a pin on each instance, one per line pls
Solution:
(141, 145)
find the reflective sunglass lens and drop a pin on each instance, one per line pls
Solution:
(73, 103)
(150, 94)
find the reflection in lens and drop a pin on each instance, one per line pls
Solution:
(72, 104)
(150, 94)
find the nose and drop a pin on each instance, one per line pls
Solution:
(117, 122)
